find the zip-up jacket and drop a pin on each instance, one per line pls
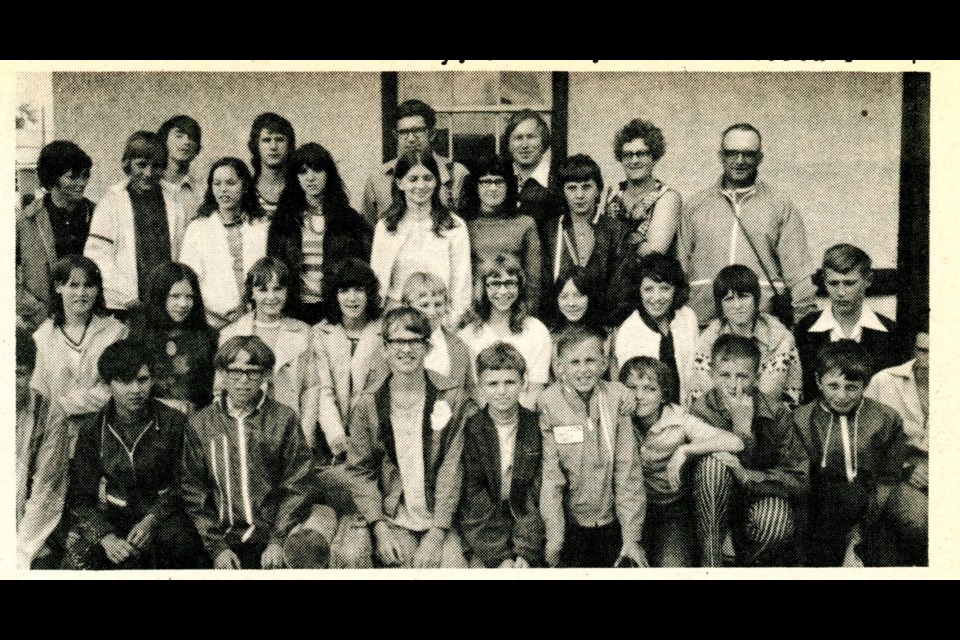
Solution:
(710, 239)
(592, 471)
(140, 475)
(772, 447)
(250, 477)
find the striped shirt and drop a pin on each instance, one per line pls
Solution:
(311, 269)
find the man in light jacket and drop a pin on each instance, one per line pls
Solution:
(711, 237)
(137, 225)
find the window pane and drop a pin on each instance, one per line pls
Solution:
(443, 90)
(526, 88)
(430, 86)
(474, 135)
(475, 88)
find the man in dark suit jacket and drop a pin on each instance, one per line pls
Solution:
(526, 144)
(846, 274)
(499, 513)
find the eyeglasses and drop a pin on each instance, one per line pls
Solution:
(502, 284)
(733, 153)
(406, 343)
(239, 374)
(491, 182)
(630, 155)
(412, 131)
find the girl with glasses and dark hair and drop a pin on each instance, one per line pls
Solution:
(495, 224)
(173, 328)
(419, 234)
(228, 236)
(500, 315)
(314, 225)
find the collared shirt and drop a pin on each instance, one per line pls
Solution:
(827, 322)
(540, 173)
(507, 436)
(897, 388)
(186, 193)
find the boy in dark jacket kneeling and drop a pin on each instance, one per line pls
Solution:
(499, 513)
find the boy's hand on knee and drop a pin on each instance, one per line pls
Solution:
(521, 563)
(636, 553)
(226, 560)
(429, 554)
(117, 549)
(389, 549)
(272, 557)
(507, 564)
(552, 552)
(142, 532)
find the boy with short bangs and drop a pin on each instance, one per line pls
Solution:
(592, 500)
(858, 457)
(752, 493)
(448, 354)
(500, 510)
(669, 438)
(846, 275)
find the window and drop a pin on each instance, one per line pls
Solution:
(473, 107)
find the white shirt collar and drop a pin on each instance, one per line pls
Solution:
(438, 358)
(867, 320)
(904, 370)
(540, 173)
(185, 182)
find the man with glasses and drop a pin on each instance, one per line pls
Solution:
(743, 220)
(415, 130)
(247, 475)
(404, 459)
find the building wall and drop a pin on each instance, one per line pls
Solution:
(830, 140)
(339, 110)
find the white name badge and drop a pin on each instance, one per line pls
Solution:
(569, 434)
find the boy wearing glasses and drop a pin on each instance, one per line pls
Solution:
(415, 129)
(711, 237)
(247, 475)
(404, 458)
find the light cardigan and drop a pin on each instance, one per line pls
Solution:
(207, 251)
(294, 381)
(74, 385)
(112, 242)
(780, 372)
(635, 338)
(447, 253)
(342, 377)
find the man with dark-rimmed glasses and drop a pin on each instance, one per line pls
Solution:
(416, 121)
(743, 220)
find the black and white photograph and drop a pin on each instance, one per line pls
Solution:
(562, 318)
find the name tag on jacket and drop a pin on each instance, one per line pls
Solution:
(568, 434)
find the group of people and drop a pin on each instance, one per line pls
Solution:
(515, 365)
